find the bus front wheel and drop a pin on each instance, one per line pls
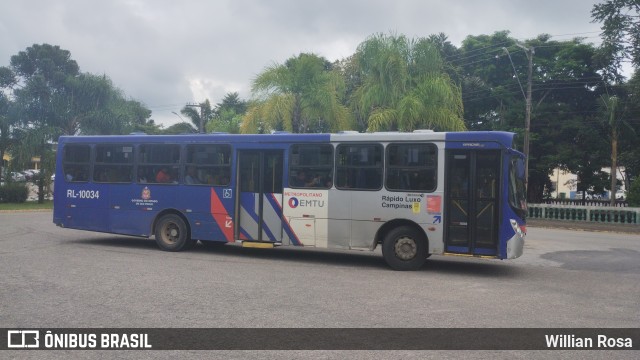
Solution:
(405, 248)
(172, 233)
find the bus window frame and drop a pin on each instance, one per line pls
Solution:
(516, 187)
(88, 164)
(307, 167)
(154, 165)
(95, 164)
(359, 144)
(434, 168)
(185, 164)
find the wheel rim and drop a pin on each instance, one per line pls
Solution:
(170, 233)
(406, 248)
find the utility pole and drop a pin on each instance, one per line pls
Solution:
(201, 127)
(529, 52)
(527, 122)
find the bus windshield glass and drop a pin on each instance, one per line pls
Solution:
(517, 193)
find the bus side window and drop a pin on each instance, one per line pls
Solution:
(359, 166)
(76, 162)
(114, 163)
(411, 167)
(207, 164)
(158, 163)
(311, 166)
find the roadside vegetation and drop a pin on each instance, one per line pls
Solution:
(27, 206)
(584, 113)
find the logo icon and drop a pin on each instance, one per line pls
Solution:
(146, 193)
(294, 202)
(23, 339)
(227, 193)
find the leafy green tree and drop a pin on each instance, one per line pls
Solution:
(232, 101)
(348, 70)
(135, 116)
(5, 128)
(302, 95)
(566, 83)
(629, 149)
(620, 21)
(613, 113)
(405, 86)
(179, 128)
(228, 114)
(7, 80)
(49, 97)
(42, 72)
(633, 194)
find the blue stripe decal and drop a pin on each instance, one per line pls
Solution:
(248, 203)
(265, 226)
(285, 224)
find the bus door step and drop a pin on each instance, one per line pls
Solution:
(257, 244)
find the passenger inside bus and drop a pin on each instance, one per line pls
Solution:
(163, 175)
(301, 180)
(192, 176)
(142, 177)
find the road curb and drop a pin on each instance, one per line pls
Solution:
(585, 226)
(25, 211)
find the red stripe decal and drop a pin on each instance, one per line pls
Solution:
(221, 216)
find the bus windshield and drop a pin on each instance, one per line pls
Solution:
(517, 193)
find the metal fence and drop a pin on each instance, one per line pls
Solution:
(612, 215)
(585, 202)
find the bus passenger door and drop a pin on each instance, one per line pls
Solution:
(473, 191)
(259, 206)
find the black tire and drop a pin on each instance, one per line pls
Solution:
(172, 233)
(405, 248)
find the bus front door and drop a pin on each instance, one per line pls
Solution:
(259, 206)
(473, 190)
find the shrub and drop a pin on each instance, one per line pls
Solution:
(633, 195)
(13, 193)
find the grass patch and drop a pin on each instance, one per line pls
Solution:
(28, 205)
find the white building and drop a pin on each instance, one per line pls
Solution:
(566, 183)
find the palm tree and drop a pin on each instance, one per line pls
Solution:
(302, 95)
(404, 86)
(610, 107)
(227, 115)
(196, 112)
(232, 101)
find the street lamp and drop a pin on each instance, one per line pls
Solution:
(529, 52)
(178, 115)
(191, 130)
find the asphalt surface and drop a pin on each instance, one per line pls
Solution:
(57, 278)
(585, 226)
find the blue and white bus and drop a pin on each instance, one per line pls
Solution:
(413, 194)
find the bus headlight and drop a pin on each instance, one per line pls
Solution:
(520, 230)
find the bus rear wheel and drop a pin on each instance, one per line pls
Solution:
(405, 248)
(172, 233)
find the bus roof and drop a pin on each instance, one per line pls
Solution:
(503, 138)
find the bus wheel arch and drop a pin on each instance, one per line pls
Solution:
(172, 231)
(405, 246)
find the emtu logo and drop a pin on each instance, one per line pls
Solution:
(294, 202)
(20, 339)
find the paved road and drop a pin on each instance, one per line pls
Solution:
(54, 277)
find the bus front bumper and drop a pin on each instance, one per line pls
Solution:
(515, 245)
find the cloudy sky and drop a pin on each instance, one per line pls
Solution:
(168, 53)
